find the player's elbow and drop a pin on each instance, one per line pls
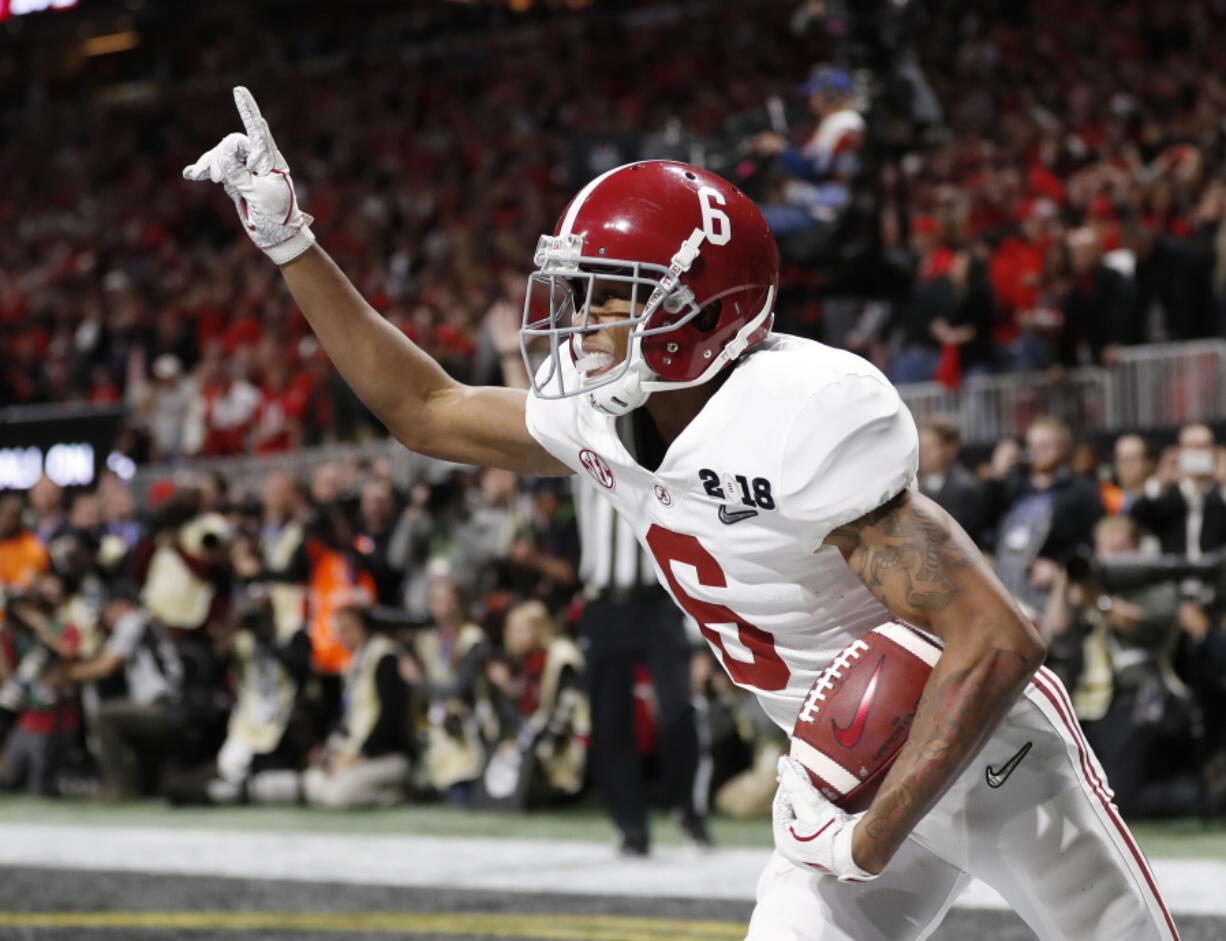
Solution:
(1004, 634)
(419, 420)
(414, 436)
(1021, 637)
(1032, 649)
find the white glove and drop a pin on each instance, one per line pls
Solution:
(809, 830)
(253, 173)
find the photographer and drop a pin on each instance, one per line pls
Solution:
(188, 561)
(1116, 648)
(1049, 512)
(376, 521)
(536, 688)
(365, 761)
(269, 665)
(1183, 505)
(42, 715)
(447, 668)
(337, 573)
(1200, 659)
(138, 732)
(22, 556)
(273, 553)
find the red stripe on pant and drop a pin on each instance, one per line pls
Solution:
(1053, 690)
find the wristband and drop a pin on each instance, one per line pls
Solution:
(292, 247)
(844, 862)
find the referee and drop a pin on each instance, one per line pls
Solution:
(628, 619)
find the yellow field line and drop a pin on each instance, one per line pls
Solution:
(510, 925)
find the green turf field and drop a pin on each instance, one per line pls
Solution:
(1174, 838)
(581, 822)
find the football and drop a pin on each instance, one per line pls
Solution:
(858, 713)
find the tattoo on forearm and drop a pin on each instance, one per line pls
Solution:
(913, 555)
(951, 723)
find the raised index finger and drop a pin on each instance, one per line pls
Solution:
(253, 122)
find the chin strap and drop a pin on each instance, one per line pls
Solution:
(626, 393)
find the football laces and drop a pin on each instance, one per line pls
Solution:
(825, 682)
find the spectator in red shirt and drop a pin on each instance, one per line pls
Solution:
(277, 426)
(1016, 269)
(104, 390)
(310, 391)
(221, 411)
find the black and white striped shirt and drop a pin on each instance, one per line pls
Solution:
(610, 556)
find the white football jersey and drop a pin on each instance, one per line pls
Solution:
(800, 439)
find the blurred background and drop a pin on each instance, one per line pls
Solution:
(223, 584)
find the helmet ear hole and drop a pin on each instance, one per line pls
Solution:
(709, 317)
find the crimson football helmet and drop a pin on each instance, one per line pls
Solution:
(692, 254)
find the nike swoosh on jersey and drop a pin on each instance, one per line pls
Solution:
(849, 736)
(734, 516)
(997, 776)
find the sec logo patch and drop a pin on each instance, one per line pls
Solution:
(595, 465)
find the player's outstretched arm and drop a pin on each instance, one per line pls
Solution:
(407, 390)
(926, 570)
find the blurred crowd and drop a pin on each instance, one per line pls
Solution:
(1118, 553)
(430, 165)
(1075, 203)
(1049, 190)
(348, 640)
(340, 641)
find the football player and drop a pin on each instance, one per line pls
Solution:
(771, 479)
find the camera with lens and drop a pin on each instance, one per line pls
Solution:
(1082, 566)
(1200, 579)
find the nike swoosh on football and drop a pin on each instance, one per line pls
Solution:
(734, 516)
(848, 736)
(997, 776)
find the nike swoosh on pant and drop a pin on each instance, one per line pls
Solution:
(850, 735)
(997, 776)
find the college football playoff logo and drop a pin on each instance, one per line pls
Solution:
(595, 465)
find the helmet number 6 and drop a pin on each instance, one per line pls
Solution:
(715, 223)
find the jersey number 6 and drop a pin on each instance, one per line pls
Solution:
(765, 670)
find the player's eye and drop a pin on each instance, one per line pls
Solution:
(606, 291)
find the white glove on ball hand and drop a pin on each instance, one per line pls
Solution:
(253, 173)
(809, 830)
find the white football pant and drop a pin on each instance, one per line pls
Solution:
(1046, 837)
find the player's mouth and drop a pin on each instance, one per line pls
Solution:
(591, 365)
